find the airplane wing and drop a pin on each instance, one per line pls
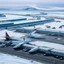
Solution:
(36, 35)
(19, 45)
(34, 50)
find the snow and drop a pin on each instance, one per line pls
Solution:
(42, 18)
(53, 24)
(10, 17)
(56, 15)
(5, 22)
(9, 59)
(27, 21)
(11, 34)
(49, 44)
(30, 28)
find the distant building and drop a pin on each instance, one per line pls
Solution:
(42, 13)
(2, 15)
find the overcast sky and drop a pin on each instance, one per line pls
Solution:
(30, 2)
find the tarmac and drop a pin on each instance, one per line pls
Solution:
(37, 57)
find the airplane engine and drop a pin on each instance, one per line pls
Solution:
(33, 50)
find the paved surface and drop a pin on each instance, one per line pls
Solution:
(52, 39)
(37, 57)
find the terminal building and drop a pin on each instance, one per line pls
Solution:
(6, 24)
(11, 18)
(33, 22)
(16, 20)
(51, 28)
(25, 23)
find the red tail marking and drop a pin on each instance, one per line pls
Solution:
(7, 36)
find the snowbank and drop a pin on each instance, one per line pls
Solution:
(8, 59)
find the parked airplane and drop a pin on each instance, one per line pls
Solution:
(26, 47)
(13, 40)
(8, 38)
(36, 35)
(8, 41)
(46, 50)
(32, 48)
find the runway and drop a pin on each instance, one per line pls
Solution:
(37, 57)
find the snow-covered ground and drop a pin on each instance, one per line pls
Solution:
(48, 44)
(53, 26)
(27, 21)
(56, 15)
(20, 12)
(57, 26)
(11, 34)
(9, 59)
(11, 17)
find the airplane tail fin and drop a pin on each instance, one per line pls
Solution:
(7, 36)
(33, 32)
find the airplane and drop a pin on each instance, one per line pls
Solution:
(45, 49)
(7, 40)
(11, 41)
(24, 47)
(32, 48)
(36, 35)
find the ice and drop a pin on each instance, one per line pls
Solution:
(10, 59)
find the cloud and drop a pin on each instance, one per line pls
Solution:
(29, 2)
